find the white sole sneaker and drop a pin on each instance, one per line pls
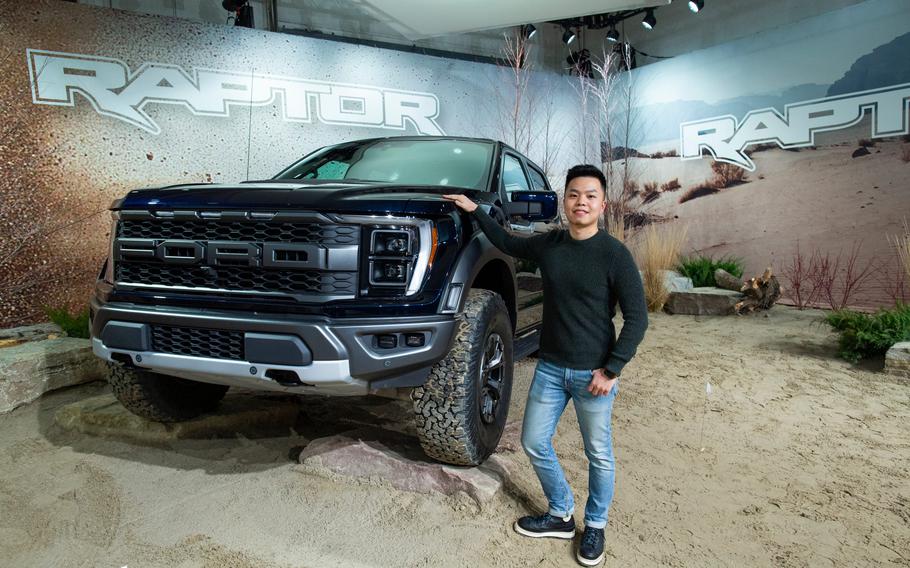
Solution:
(593, 562)
(550, 534)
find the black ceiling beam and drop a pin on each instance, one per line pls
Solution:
(599, 21)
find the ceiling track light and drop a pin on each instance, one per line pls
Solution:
(568, 36)
(528, 31)
(696, 5)
(649, 21)
(613, 35)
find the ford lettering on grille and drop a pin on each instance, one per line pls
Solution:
(226, 253)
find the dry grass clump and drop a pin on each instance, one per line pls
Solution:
(865, 143)
(671, 185)
(658, 250)
(630, 188)
(668, 154)
(905, 154)
(698, 191)
(902, 245)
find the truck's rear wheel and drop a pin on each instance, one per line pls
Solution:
(461, 409)
(162, 398)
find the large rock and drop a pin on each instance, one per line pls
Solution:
(103, 416)
(705, 301)
(30, 369)
(897, 360)
(398, 461)
(14, 335)
(674, 281)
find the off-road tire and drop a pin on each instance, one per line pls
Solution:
(161, 398)
(447, 406)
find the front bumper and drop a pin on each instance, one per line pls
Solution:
(289, 353)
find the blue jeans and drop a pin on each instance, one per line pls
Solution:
(551, 389)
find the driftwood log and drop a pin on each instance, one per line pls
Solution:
(761, 293)
(727, 281)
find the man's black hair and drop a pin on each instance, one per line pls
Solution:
(587, 170)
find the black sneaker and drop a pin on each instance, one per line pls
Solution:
(591, 549)
(546, 525)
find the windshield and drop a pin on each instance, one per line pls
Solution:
(457, 163)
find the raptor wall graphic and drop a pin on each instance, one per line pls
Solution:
(97, 102)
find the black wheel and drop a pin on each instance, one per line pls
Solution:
(162, 398)
(462, 408)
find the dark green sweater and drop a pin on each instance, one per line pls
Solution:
(582, 282)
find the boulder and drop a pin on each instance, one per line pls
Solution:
(30, 369)
(704, 301)
(674, 281)
(249, 415)
(398, 461)
(897, 360)
(14, 335)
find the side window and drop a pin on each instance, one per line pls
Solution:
(538, 183)
(513, 176)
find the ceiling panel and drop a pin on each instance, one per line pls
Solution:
(420, 19)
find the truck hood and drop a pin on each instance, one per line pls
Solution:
(297, 195)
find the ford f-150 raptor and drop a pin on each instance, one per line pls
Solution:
(345, 274)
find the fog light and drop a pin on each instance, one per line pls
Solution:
(387, 341)
(389, 272)
(414, 340)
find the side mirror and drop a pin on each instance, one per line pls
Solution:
(532, 205)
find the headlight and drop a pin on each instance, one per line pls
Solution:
(400, 254)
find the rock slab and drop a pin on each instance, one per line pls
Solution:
(103, 416)
(400, 463)
(704, 301)
(30, 369)
(897, 360)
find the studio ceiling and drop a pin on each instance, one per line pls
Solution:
(419, 19)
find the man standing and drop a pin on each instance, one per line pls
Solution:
(585, 272)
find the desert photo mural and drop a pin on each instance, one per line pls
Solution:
(786, 149)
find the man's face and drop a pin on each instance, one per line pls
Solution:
(584, 201)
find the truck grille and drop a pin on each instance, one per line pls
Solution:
(240, 231)
(313, 261)
(236, 278)
(217, 344)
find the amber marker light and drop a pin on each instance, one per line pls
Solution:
(435, 234)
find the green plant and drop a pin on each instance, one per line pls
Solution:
(74, 325)
(866, 335)
(701, 268)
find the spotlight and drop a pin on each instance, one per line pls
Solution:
(696, 5)
(528, 30)
(613, 35)
(568, 36)
(650, 21)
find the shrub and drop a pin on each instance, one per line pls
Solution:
(74, 325)
(671, 185)
(905, 154)
(630, 188)
(867, 335)
(726, 175)
(865, 143)
(656, 251)
(698, 191)
(701, 268)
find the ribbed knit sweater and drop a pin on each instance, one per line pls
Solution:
(583, 280)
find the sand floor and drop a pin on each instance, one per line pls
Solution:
(796, 458)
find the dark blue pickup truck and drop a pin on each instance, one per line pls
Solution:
(345, 274)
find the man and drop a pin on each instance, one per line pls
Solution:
(585, 272)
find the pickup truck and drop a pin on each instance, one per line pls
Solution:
(345, 274)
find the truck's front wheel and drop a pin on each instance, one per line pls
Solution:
(462, 408)
(162, 398)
